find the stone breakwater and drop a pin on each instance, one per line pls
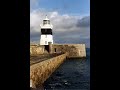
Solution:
(74, 50)
(41, 71)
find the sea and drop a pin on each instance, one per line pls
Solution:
(73, 74)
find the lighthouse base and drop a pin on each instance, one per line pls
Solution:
(45, 39)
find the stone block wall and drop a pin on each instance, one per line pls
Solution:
(74, 50)
(35, 49)
(41, 71)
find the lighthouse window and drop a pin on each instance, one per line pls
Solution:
(45, 22)
(45, 42)
(49, 22)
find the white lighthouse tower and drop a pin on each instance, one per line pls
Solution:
(46, 32)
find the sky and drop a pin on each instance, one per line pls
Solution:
(70, 19)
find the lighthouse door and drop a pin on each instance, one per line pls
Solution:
(55, 49)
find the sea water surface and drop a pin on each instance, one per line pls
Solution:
(73, 74)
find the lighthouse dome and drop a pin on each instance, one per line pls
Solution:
(46, 18)
(46, 23)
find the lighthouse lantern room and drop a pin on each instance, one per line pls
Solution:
(46, 32)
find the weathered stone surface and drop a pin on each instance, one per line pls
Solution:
(41, 57)
(41, 71)
(35, 49)
(74, 50)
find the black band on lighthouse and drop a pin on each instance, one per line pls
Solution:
(46, 31)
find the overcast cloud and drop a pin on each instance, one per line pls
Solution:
(66, 28)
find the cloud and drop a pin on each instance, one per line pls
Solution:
(66, 28)
(84, 22)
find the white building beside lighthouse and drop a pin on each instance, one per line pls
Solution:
(46, 32)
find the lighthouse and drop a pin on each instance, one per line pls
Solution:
(46, 32)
